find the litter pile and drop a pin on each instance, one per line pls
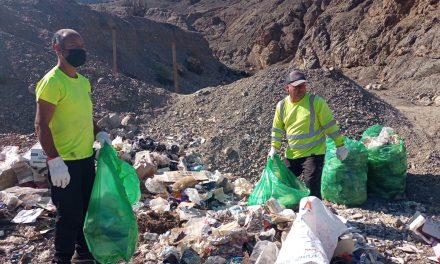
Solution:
(187, 214)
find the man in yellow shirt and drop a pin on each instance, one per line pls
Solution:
(66, 130)
(305, 119)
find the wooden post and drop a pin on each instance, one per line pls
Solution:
(175, 74)
(115, 65)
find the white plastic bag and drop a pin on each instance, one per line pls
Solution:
(9, 157)
(301, 246)
(159, 205)
(264, 252)
(314, 235)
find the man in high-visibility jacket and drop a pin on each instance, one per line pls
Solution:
(305, 119)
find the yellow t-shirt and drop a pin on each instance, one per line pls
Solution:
(72, 122)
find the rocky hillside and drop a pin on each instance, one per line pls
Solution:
(235, 120)
(393, 43)
(144, 58)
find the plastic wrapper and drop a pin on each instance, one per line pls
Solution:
(242, 187)
(159, 205)
(264, 252)
(345, 182)
(279, 182)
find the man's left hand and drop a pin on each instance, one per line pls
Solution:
(341, 153)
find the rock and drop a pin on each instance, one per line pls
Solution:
(150, 257)
(189, 256)
(128, 120)
(194, 65)
(215, 260)
(169, 251)
(375, 86)
(104, 122)
(408, 249)
(102, 81)
(357, 216)
(114, 120)
(150, 236)
(399, 223)
(378, 87)
(228, 151)
(437, 100)
(145, 169)
(130, 134)
(426, 100)
(132, 128)
(270, 54)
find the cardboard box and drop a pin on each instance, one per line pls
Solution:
(38, 158)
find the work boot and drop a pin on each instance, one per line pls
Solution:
(83, 258)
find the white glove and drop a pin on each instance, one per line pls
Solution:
(59, 173)
(341, 153)
(103, 137)
(273, 151)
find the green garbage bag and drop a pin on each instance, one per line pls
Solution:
(387, 164)
(110, 226)
(279, 182)
(345, 182)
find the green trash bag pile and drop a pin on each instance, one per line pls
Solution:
(279, 182)
(387, 162)
(110, 226)
(345, 182)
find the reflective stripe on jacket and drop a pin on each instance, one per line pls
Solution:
(305, 125)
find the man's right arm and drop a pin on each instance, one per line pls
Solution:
(277, 131)
(45, 111)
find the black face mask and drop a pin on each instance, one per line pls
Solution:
(76, 57)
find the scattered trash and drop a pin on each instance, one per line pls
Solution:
(190, 215)
(273, 206)
(7, 179)
(150, 236)
(242, 187)
(346, 246)
(427, 229)
(264, 252)
(189, 256)
(155, 186)
(183, 183)
(160, 205)
(27, 216)
(23, 172)
(215, 260)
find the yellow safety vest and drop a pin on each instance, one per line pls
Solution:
(305, 124)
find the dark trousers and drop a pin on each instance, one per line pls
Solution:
(311, 169)
(71, 203)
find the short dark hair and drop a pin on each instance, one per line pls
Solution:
(58, 38)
